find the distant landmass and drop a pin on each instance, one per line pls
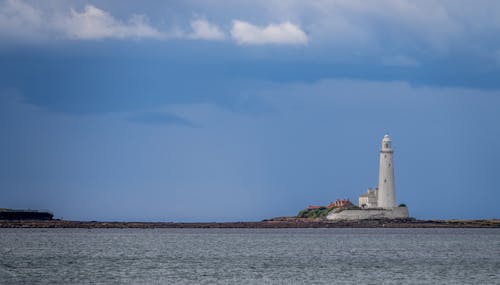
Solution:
(12, 214)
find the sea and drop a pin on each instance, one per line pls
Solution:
(250, 256)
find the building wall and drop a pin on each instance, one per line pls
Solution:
(368, 200)
(396, 213)
(363, 201)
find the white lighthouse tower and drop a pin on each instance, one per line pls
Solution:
(377, 203)
(386, 195)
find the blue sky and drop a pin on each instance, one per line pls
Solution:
(224, 111)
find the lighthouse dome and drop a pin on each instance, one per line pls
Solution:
(387, 143)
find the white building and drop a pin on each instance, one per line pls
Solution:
(368, 200)
(384, 195)
(378, 202)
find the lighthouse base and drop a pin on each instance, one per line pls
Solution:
(366, 214)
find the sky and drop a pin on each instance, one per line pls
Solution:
(245, 110)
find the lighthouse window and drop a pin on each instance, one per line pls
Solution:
(386, 145)
(385, 180)
(389, 165)
(385, 155)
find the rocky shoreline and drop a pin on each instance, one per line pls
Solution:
(272, 223)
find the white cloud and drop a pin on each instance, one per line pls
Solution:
(20, 20)
(23, 21)
(358, 26)
(94, 23)
(340, 27)
(204, 30)
(284, 33)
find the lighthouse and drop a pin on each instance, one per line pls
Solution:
(386, 194)
(377, 203)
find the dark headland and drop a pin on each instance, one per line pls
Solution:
(284, 222)
(11, 214)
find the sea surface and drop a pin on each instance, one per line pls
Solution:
(249, 256)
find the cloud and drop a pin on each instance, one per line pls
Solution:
(363, 26)
(23, 21)
(20, 20)
(204, 30)
(359, 26)
(336, 29)
(284, 33)
(94, 23)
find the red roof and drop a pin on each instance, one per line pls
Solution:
(339, 203)
(312, 207)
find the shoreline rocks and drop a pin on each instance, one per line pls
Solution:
(283, 222)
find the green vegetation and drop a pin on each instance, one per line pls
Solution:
(314, 213)
(322, 212)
